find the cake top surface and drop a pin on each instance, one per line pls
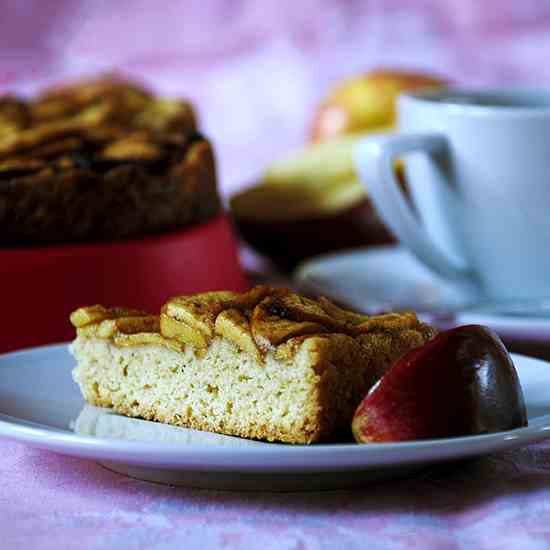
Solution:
(259, 320)
(93, 124)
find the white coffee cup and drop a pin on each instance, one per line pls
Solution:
(478, 168)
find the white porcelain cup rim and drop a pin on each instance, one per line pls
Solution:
(443, 98)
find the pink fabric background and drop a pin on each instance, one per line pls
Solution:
(255, 69)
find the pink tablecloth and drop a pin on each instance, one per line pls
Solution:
(55, 503)
(255, 69)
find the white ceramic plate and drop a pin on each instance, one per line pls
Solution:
(40, 405)
(390, 278)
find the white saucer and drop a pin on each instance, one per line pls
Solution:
(40, 405)
(390, 278)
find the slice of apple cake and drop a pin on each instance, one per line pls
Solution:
(267, 364)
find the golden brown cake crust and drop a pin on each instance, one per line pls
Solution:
(97, 160)
(338, 354)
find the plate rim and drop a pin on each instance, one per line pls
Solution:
(323, 457)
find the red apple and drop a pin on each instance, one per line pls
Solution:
(462, 382)
(366, 102)
(309, 203)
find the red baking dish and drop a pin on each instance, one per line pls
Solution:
(40, 286)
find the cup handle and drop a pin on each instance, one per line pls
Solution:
(374, 159)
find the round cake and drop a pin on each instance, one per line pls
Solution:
(101, 160)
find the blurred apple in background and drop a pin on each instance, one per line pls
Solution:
(366, 102)
(311, 202)
(308, 203)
